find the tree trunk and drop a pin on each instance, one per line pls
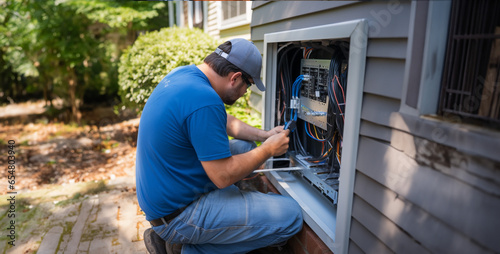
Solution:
(131, 34)
(47, 91)
(74, 102)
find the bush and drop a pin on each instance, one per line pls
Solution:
(154, 55)
(241, 109)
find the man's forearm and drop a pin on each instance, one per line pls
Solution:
(225, 172)
(240, 130)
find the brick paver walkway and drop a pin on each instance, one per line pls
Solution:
(108, 222)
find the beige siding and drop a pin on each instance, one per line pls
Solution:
(242, 31)
(213, 19)
(185, 14)
(421, 185)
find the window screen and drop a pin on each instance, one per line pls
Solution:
(470, 84)
(231, 9)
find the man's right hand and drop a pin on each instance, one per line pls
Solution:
(226, 171)
(277, 143)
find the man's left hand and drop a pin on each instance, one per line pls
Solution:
(274, 131)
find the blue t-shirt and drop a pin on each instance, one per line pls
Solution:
(183, 123)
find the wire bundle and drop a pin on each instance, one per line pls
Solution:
(289, 93)
(296, 97)
(285, 79)
(337, 88)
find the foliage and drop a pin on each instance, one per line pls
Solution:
(241, 110)
(118, 14)
(154, 55)
(16, 67)
(68, 47)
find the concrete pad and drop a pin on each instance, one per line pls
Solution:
(127, 222)
(64, 243)
(101, 245)
(84, 247)
(139, 247)
(63, 213)
(76, 233)
(108, 211)
(50, 240)
(26, 246)
(120, 182)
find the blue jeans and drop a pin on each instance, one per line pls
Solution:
(233, 221)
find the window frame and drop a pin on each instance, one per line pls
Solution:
(472, 139)
(462, 91)
(242, 19)
(423, 71)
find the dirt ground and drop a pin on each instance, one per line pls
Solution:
(51, 152)
(55, 161)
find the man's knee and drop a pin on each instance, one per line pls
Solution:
(288, 215)
(295, 213)
(238, 146)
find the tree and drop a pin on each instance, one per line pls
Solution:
(15, 64)
(68, 47)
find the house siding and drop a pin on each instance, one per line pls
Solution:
(416, 189)
(213, 20)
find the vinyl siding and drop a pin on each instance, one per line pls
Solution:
(242, 31)
(213, 19)
(421, 185)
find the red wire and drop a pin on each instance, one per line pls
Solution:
(284, 94)
(308, 129)
(335, 95)
(283, 84)
(310, 133)
(307, 53)
(340, 87)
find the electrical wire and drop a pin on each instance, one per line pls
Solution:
(290, 92)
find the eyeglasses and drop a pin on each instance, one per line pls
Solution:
(249, 84)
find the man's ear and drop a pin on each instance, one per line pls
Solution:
(233, 76)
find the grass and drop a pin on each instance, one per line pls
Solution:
(33, 209)
(90, 188)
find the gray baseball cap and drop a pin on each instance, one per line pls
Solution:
(245, 55)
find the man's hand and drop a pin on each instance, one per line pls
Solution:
(224, 172)
(277, 143)
(273, 131)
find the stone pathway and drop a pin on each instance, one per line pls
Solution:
(108, 222)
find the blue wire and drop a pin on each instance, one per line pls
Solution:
(305, 126)
(295, 93)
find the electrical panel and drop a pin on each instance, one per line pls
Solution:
(314, 85)
(314, 92)
(310, 91)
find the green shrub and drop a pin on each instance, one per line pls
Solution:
(154, 55)
(242, 110)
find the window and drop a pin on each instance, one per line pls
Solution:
(470, 85)
(198, 14)
(231, 9)
(235, 13)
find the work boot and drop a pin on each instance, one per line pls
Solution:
(156, 245)
(173, 248)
